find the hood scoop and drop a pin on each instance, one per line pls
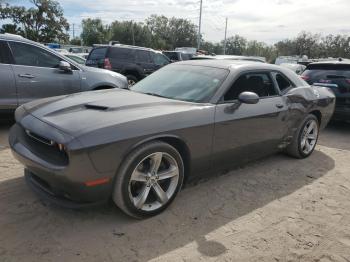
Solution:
(96, 107)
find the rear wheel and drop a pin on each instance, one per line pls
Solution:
(305, 140)
(149, 180)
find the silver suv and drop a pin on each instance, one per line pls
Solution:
(29, 71)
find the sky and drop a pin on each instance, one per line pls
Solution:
(264, 20)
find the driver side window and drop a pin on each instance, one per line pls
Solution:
(259, 83)
(29, 55)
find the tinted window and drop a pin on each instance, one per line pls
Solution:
(143, 56)
(326, 73)
(183, 82)
(283, 82)
(160, 59)
(121, 53)
(98, 53)
(29, 55)
(259, 83)
(4, 53)
(172, 55)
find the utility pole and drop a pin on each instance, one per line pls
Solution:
(225, 37)
(73, 31)
(200, 24)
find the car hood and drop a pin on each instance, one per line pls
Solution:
(81, 113)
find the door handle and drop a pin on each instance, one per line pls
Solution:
(279, 105)
(26, 75)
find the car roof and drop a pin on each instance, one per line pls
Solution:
(332, 62)
(7, 36)
(230, 64)
(126, 47)
(240, 66)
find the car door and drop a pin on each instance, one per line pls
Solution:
(37, 74)
(8, 94)
(248, 131)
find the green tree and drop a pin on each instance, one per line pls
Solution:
(94, 32)
(12, 29)
(75, 41)
(212, 48)
(130, 33)
(171, 33)
(44, 22)
(235, 45)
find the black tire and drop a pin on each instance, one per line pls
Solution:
(295, 149)
(131, 80)
(121, 192)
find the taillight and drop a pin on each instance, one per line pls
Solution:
(348, 81)
(107, 64)
(305, 77)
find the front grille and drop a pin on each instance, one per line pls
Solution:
(40, 138)
(44, 148)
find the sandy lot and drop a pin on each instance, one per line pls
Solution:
(276, 209)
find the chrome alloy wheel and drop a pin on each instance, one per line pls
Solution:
(309, 137)
(154, 181)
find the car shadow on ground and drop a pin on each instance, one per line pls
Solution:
(29, 225)
(336, 135)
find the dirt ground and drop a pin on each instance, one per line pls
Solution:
(276, 209)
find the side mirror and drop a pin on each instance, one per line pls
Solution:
(65, 66)
(248, 98)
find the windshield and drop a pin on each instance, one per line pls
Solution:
(183, 82)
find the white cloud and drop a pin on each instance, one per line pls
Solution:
(263, 20)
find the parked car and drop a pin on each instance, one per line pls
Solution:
(187, 50)
(138, 146)
(29, 71)
(176, 56)
(132, 61)
(230, 57)
(77, 58)
(336, 76)
(297, 68)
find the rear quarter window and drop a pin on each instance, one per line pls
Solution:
(283, 82)
(98, 53)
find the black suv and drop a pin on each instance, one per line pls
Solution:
(133, 62)
(335, 75)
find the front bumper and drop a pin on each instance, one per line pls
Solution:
(64, 180)
(44, 192)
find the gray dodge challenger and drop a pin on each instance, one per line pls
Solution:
(139, 146)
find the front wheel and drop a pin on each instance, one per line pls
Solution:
(149, 180)
(305, 139)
